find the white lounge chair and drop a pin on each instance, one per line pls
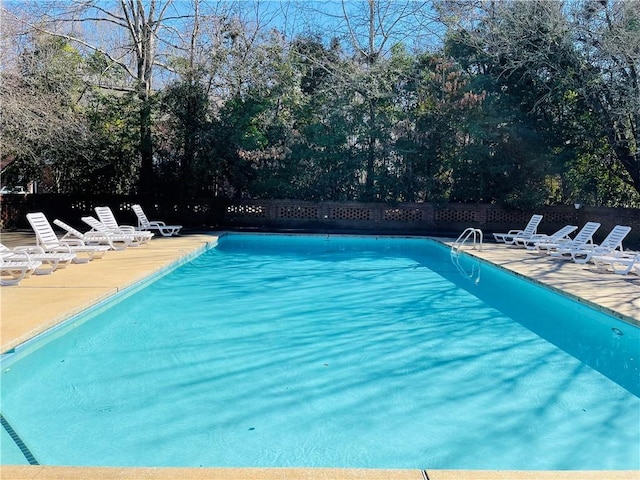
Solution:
(113, 241)
(50, 261)
(49, 241)
(583, 237)
(609, 246)
(14, 270)
(145, 224)
(620, 262)
(99, 228)
(510, 237)
(106, 217)
(559, 236)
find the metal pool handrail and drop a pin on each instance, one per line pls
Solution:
(474, 233)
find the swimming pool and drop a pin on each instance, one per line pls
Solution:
(332, 351)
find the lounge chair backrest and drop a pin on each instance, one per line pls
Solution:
(585, 235)
(532, 226)
(95, 224)
(105, 215)
(563, 232)
(143, 221)
(45, 236)
(69, 228)
(5, 251)
(615, 237)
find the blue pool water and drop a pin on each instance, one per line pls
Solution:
(330, 352)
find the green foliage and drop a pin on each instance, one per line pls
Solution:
(114, 165)
(528, 104)
(183, 148)
(573, 66)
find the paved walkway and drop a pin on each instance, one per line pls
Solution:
(43, 301)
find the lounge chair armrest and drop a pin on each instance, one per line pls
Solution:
(127, 229)
(157, 223)
(96, 234)
(21, 255)
(70, 242)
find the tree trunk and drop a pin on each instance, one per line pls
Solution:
(190, 141)
(629, 160)
(145, 56)
(146, 149)
(617, 138)
(371, 153)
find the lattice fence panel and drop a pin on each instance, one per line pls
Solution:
(300, 213)
(124, 206)
(402, 215)
(200, 208)
(501, 216)
(82, 205)
(350, 213)
(456, 216)
(252, 211)
(559, 217)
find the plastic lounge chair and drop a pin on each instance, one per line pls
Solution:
(627, 260)
(609, 246)
(48, 240)
(99, 228)
(145, 224)
(50, 261)
(106, 217)
(113, 241)
(510, 237)
(18, 267)
(583, 237)
(559, 236)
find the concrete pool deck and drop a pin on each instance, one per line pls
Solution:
(41, 302)
(618, 295)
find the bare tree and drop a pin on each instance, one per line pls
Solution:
(132, 35)
(39, 93)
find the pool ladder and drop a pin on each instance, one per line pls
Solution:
(470, 234)
(474, 234)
